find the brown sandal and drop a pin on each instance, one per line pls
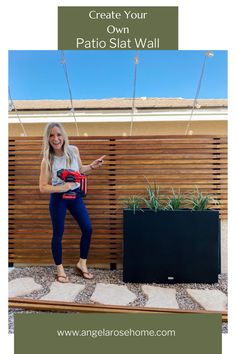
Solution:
(83, 274)
(62, 276)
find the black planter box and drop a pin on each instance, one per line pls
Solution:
(181, 246)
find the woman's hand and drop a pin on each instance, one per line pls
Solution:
(97, 163)
(67, 186)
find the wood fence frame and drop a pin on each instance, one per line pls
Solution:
(174, 161)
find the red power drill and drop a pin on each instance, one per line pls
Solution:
(68, 175)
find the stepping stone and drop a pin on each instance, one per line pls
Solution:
(22, 286)
(213, 300)
(160, 297)
(63, 292)
(111, 294)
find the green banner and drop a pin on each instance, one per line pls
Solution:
(117, 333)
(118, 28)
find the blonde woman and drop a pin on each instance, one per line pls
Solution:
(58, 154)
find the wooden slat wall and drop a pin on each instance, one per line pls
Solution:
(173, 161)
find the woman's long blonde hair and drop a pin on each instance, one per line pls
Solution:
(48, 152)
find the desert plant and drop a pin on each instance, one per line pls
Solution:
(200, 201)
(195, 200)
(133, 202)
(152, 201)
(175, 201)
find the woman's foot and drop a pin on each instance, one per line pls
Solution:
(61, 276)
(82, 270)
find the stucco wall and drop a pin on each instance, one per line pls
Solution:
(224, 246)
(144, 128)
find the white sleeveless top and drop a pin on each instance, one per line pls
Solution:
(59, 162)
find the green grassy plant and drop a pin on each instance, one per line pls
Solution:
(133, 202)
(195, 200)
(200, 201)
(175, 201)
(152, 201)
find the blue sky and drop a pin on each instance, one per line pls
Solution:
(107, 74)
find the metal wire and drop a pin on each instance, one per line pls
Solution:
(14, 107)
(207, 54)
(134, 93)
(63, 62)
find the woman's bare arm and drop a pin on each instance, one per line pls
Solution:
(88, 168)
(46, 187)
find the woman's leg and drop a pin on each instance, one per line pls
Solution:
(57, 209)
(80, 213)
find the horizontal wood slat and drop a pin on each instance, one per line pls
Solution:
(172, 161)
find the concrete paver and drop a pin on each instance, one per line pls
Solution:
(111, 294)
(160, 297)
(63, 292)
(212, 300)
(22, 286)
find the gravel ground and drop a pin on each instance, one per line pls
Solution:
(46, 275)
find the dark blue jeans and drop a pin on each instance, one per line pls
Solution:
(58, 208)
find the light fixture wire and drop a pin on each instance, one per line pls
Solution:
(206, 55)
(134, 93)
(63, 63)
(17, 114)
